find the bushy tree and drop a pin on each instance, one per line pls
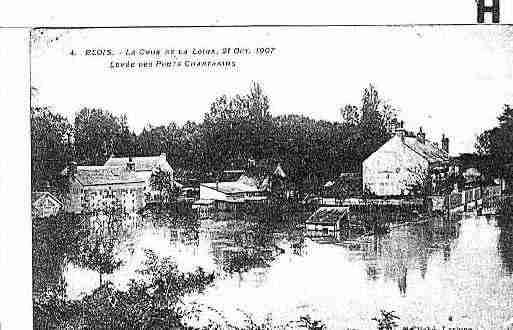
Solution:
(498, 141)
(99, 134)
(163, 182)
(51, 145)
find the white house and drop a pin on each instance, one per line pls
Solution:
(404, 161)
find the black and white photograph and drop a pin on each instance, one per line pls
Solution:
(272, 177)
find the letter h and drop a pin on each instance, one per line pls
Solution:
(482, 9)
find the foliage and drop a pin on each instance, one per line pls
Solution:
(417, 182)
(386, 321)
(373, 122)
(498, 141)
(241, 127)
(163, 182)
(51, 143)
(99, 256)
(310, 324)
(505, 211)
(99, 134)
(147, 304)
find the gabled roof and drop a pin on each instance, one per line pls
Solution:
(261, 174)
(105, 175)
(328, 215)
(427, 150)
(231, 175)
(36, 195)
(141, 163)
(231, 187)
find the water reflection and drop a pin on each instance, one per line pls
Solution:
(420, 271)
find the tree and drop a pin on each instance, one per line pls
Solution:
(51, 143)
(350, 115)
(498, 141)
(237, 128)
(372, 123)
(100, 134)
(417, 181)
(99, 256)
(163, 182)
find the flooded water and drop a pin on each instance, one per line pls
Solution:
(456, 273)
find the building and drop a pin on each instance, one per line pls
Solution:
(327, 220)
(101, 187)
(406, 164)
(144, 167)
(230, 192)
(44, 204)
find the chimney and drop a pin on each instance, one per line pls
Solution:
(130, 165)
(399, 130)
(445, 143)
(421, 136)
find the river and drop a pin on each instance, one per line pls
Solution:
(453, 274)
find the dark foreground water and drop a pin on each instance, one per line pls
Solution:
(453, 274)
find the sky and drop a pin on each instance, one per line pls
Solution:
(447, 79)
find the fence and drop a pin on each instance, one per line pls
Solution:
(463, 198)
(495, 201)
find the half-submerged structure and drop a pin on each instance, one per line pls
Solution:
(327, 220)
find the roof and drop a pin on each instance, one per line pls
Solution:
(105, 175)
(231, 187)
(36, 195)
(231, 175)
(427, 150)
(141, 163)
(328, 214)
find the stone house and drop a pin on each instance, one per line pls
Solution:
(405, 163)
(144, 167)
(125, 180)
(100, 187)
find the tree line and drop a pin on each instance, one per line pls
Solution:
(235, 129)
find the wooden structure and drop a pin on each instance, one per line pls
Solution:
(327, 220)
(44, 204)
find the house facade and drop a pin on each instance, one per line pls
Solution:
(121, 181)
(405, 163)
(100, 187)
(144, 167)
(44, 204)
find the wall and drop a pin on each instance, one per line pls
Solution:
(131, 196)
(385, 172)
(74, 202)
(211, 194)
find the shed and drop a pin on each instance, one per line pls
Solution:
(327, 219)
(44, 204)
